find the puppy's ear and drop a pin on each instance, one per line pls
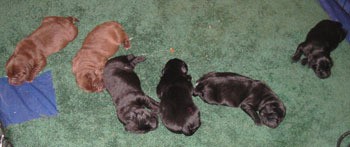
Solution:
(282, 110)
(330, 61)
(75, 66)
(184, 68)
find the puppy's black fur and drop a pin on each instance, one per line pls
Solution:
(252, 96)
(131, 102)
(178, 112)
(320, 41)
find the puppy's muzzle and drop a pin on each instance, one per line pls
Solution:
(15, 82)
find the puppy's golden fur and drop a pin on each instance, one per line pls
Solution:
(99, 45)
(30, 54)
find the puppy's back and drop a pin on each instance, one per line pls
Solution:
(326, 33)
(223, 88)
(119, 77)
(54, 33)
(106, 38)
(178, 111)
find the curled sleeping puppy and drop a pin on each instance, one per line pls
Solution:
(320, 41)
(178, 112)
(254, 97)
(136, 110)
(99, 45)
(30, 54)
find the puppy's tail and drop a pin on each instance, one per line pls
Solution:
(73, 19)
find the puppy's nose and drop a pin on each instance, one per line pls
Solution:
(324, 75)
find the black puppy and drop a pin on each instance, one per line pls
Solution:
(320, 41)
(252, 96)
(178, 112)
(130, 101)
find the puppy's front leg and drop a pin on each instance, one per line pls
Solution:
(304, 61)
(298, 52)
(251, 112)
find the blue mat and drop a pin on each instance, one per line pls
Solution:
(27, 101)
(338, 10)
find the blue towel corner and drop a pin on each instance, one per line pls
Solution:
(27, 101)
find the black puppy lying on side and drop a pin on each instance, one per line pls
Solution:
(178, 112)
(130, 101)
(320, 41)
(252, 96)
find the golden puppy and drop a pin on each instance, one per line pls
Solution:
(99, 45)
(29, 57)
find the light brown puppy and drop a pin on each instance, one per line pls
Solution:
(29, 57)
(99, 45)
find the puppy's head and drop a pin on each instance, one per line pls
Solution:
(141, 120)
(187, 121)
(272, 113)
(193, 122)
(90, 81)
(18, 69)
(322, 66)
(175, 66)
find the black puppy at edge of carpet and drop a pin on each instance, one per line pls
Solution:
(136, 110)
(178, 112)
(320, 42)
(252, 96)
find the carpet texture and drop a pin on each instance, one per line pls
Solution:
(255, 38)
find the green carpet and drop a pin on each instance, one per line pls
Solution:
(255, 38)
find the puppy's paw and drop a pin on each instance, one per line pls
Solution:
(295, 59)
(258, 122)
(304, 61)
